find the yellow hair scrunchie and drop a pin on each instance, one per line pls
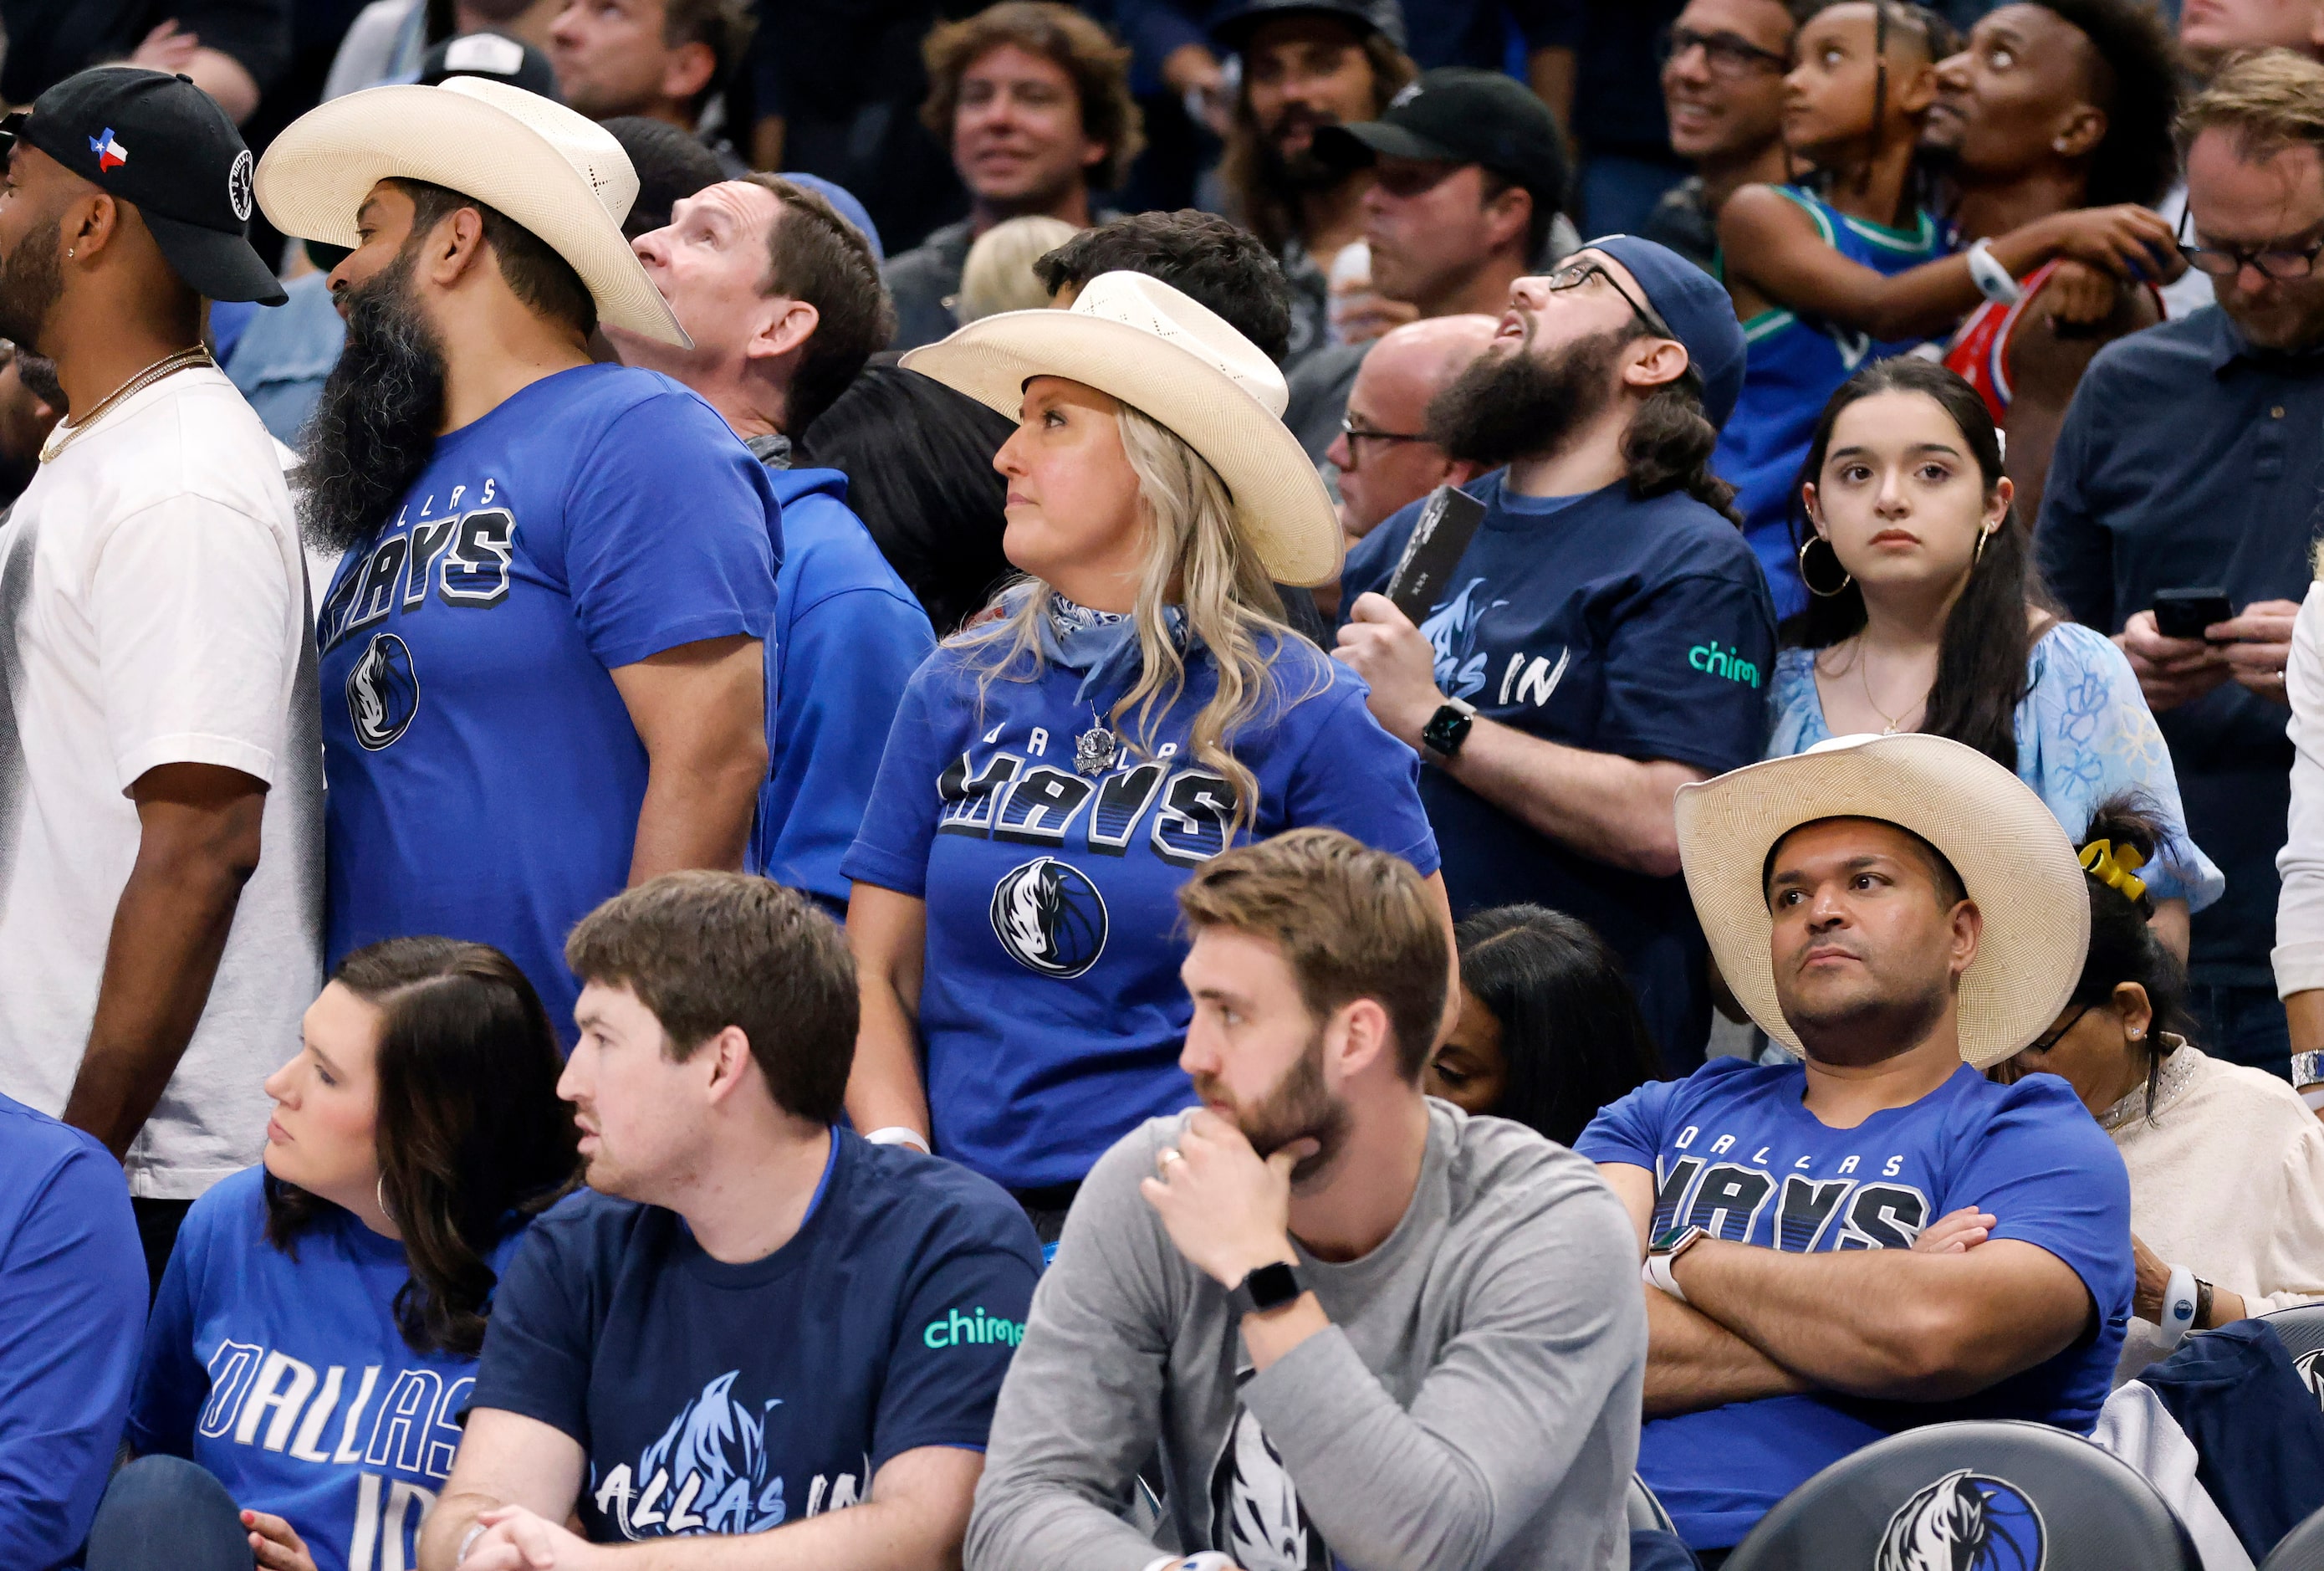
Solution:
(2117, 869)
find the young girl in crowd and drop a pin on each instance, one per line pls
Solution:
(1549, 1030)
(1136, 706)
(2226, 1164)
(1927, 615)
(315, 1333)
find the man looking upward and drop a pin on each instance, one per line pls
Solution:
(543, 654)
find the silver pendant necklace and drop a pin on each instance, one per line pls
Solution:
(1096, 749)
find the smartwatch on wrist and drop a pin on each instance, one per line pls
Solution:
(1448, 728)
(1663, 1252)
(1270, 1287)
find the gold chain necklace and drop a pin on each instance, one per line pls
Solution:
(1864, 680)
(64, 435)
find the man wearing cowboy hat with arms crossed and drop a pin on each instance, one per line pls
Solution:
(156, 695)
(542, 652)
(1904, 913)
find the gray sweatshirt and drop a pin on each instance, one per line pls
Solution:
(1474, 1405)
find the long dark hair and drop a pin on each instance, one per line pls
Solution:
(1988, 637)
(1571, 1035)
(1670, 442)
(2123, 946)
(470, 1134)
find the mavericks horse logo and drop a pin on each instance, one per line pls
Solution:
(1049, 917)
(1965, 1522)
(382, 692)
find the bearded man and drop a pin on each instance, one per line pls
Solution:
(1307, 64)
(1607, 634)
(1436, 1349)
(543, 651)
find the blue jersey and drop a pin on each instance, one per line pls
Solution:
(1613, 624)
(72, 1294)
(1734, 1150)
(848, 636)
(712, 1397)
(484, 777)
(286, 1378)
(1795, 363)
(1050, 1004)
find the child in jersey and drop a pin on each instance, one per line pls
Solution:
(1851, 264)
(316, 1331)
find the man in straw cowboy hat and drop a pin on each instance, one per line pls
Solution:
(542, 654)
(1904, 913)
(1366, 1328)
(156, 695)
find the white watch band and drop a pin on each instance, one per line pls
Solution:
(1993, 280)
(1658, 1273)
(1201, 1560)
(901, 1134)
(2178, 1306)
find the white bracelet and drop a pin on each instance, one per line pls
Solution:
(2178, 1306)
(1657, 1272)
(468, 1542)
(2314, 1097)
(1993, 280)
(1201, 1560)
(901, 1134)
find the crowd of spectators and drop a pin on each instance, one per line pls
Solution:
(1247, 785)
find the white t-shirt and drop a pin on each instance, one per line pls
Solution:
(152, 611)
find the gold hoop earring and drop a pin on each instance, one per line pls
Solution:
(1845, 577)
(1977, 557)
(383, 1210)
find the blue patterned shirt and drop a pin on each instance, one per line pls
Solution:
(2084, 734)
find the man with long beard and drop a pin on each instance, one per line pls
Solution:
(1306, 64)
(542, 651)
(1876, 1236)
(156, 684)
(1607, 634)
(1367, 1329)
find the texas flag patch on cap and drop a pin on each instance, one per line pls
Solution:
(110, 154)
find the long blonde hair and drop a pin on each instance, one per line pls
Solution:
(1225, 595)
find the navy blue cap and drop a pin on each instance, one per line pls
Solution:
(844, 203)
(1232, 22)
(1697, 309)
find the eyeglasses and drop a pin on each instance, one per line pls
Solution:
(1409, 177)
(2056, 1034)
(2277, 259)
(1576, 274)
(1355, 433)
(1727, 54)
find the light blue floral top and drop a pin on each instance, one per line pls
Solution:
(2084, 734)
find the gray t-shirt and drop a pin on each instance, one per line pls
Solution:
(1475, 1404)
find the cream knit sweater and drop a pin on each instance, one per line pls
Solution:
(2227, 1180)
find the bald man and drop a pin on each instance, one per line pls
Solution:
(1383, 458)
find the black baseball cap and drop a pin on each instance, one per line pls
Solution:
(160, 142)
(1455, 114)
(1232, 22)
(494, 55)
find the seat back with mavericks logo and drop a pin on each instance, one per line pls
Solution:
(2301, 1332)
(1981, 1495)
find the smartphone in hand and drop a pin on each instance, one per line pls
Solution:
(2185, 613)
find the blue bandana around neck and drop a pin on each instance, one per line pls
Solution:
(1102, 645)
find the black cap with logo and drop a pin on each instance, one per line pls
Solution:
(163, 143)
(1455, 114)
(1232, 22)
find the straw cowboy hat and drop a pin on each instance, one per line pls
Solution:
(1173, 360)
(2012, 856)
(560, 174)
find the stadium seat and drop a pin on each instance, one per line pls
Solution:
(2302, 1548)
(1998, 1496)
(2301, 1332)
(1647, 1514)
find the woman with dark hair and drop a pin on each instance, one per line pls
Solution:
(1549, 1030)
(2226, 1163)
(320, 1317)
(1926, 614)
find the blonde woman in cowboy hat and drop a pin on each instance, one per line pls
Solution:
(1902, 912)
(1136, 706)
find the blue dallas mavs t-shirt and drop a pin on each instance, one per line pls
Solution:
(711, 1398)
(1050, 1003)
(285, 1376)
(1612, 625)
(485, 776)
(1734, 1150)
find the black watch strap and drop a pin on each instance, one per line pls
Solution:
(1270, 1287)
